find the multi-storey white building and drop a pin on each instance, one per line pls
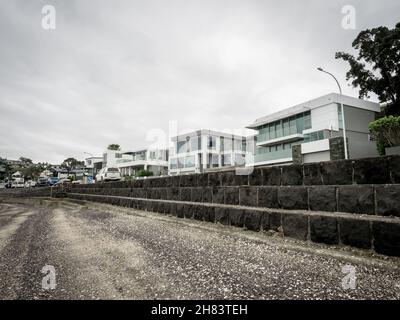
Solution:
(206, 149)
(130, 162)
(312, 125)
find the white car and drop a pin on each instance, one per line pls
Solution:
(108, 174)
(17, 184)
(30, 184)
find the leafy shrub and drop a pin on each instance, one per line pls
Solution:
(386, 132)
(144, 173)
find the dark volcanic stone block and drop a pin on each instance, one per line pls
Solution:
(322, 198)
(221, 215)
(394, 167)
(162, 207)
(188, 211)
(293, 197)
(248, 196)
(274, 221)
(265, 221)
(387, 237)
(337, 172)
(252, 219)
(173, 194)
(388, 200)
(176, 181)
(214, 180)
(218, 195)
(202, 180)
(371, 170)
(163, 193)
(209, 213)
(154, 193)
(188, 180)
(227, 178)
(232, 195)
(292, 175)
(186, 194)
(295, 226)
(324, 229)
(207, 194)
(356, 199)
(355, 233)
(312, 174)
(255, 178)
(197, 194)
(236, 217)
(180, 210)
(173, 209)
(268, 197)
(271, 176)
(199, 212)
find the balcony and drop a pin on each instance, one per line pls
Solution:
(262, 139)
(284, 155)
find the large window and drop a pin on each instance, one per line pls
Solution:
(211, 142)
(226, 160)
(195, 143)
(181, 146)
(317, 135)
(340, 116)
(285, 127)
(189, 162)
(174, 163)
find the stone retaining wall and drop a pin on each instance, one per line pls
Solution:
(376, 233)
(381, 170)
(363, 199)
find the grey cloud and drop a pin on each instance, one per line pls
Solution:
(113, 70)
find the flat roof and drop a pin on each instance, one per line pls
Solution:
(315, 103)
(202, 132)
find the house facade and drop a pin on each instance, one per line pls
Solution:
(204, 150)
(310, 131)
(130, 162)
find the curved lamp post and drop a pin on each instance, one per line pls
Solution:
(346, 155)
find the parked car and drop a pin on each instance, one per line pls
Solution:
(2, 185)
(30, 184)
(41, 182)
(108, 174)
(17, 184)
(63, 181)
(51, 181)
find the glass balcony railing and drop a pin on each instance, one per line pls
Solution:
(276, 155)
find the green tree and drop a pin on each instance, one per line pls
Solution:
(71, 163)
(25, 161)
(377, 66)
(114, 146)
(386, 131)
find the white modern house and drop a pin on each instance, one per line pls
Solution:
(93, 164)
(203, 149)
(312, 125)
(130, 162)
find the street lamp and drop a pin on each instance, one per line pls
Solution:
(346, 155)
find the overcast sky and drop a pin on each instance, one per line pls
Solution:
(123, 71)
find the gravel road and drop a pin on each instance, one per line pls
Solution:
(104, 252)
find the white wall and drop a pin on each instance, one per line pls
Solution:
(325, 117)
